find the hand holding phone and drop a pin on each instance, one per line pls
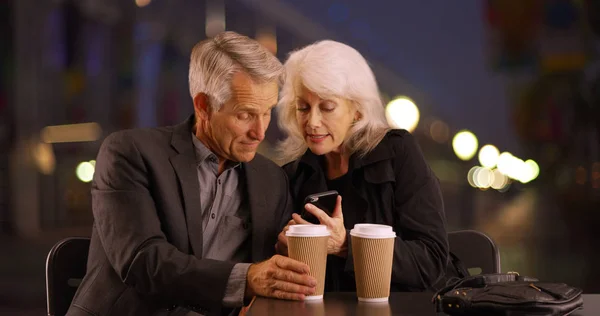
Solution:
(326, 201)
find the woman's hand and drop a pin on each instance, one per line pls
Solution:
(337, 244)
(281, 247)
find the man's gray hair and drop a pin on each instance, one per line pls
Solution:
(214, 61)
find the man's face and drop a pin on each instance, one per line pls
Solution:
(235, 131)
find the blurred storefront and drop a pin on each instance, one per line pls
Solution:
(84, 69)
(75, 71)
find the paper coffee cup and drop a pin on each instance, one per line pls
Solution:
(373, 255)
(308, 244)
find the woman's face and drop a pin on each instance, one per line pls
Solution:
(324, 122)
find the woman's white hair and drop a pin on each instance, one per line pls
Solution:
(331, 69)
(214, 61)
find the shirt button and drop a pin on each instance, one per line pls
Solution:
(219, 181)
(212, 215)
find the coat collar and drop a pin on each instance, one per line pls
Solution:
(181, 139)
(375, 167)
(381, 152)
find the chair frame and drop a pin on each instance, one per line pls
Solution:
(50, 277)
(494, 247)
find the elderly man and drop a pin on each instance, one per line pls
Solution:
(179, 211)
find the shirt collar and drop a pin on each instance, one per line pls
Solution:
(203, 154)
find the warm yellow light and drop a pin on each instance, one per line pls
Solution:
(465, 145)
(471, 176)
(44, 158)
(485, 178)
(142, 3)
(85, 171)
(488, 156)
(517, 169)
(505, 162)
(500, 180)
(83, 132)
(531, 171)
(402, 113)
(267, 37)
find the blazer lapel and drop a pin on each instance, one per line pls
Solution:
(261, 220)
(184, 163)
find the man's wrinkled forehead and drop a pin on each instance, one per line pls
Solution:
(248, 92)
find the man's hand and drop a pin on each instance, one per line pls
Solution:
(281, 247)
(280, 277)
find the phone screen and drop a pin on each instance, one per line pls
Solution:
(325, 201)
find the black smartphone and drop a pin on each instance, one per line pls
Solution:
(324, 200)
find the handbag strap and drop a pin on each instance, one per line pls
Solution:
(461, 270)
(482, 280)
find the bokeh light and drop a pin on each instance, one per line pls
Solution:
(142, 3)
(402, 113)
(532, 170)
(517, 169)
(267, 38)
(471, 176)
(439, 131)
(485, 178)
(465, 145)
(44, 158)
(500, 180)
(580, 175)
(85, 171)
(81, 132)
(504, 162)
(488, 156)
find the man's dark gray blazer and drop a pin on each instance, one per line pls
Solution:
(146, 247)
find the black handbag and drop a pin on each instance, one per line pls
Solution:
(507, 294)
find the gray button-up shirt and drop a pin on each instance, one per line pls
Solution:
(226, 229)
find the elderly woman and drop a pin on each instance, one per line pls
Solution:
(338, 139)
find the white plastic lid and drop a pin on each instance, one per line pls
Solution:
(307, 230)
(373, 231)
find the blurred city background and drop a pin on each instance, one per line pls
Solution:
(503, 96)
